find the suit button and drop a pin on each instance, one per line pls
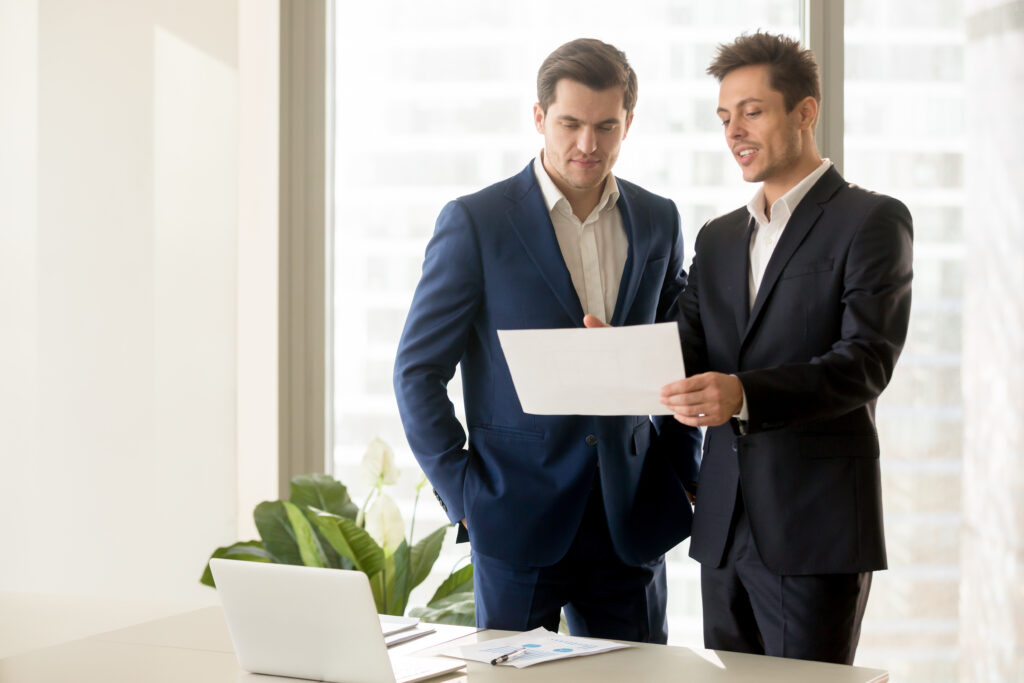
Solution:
(735, 448)
(591, 440)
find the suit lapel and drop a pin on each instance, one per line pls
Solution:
(532, 223)
(800, 223)
(636, 221)
(737, 273)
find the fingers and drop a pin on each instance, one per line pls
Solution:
(592, 321)
(702, 420)
(697, 401)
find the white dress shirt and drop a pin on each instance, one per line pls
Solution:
(767, 233)
(594, 249)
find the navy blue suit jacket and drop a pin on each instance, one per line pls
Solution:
(523, 480)
(813, 354)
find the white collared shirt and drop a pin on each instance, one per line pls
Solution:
(594, 249)
(768, 232)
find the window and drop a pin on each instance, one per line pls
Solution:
(904, 136)
(434, 102)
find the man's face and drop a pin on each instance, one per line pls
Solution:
(582, 130)
(764, 138)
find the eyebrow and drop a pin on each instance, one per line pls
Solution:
(740, 104)
(573, 119)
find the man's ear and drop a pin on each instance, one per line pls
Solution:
(629, 122)
(538, 117)
(807, 109)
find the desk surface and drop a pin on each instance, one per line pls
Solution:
(196, 647)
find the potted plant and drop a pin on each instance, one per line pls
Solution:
(320, 526)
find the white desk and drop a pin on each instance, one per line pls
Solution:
(196, 647)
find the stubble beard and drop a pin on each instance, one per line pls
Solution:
(576, 185)
(790, 157)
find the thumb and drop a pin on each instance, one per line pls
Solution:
(593, 321)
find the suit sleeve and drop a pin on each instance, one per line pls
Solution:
(436, 333)
(875, 316)
(681, 444)
(687, 316)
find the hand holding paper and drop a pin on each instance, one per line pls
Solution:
(705, 400)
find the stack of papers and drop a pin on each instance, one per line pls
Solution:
(398, 630)
(540, 645)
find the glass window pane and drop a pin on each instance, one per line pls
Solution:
(905, 131)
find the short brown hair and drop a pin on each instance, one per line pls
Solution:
(589, 61)
(792, 70)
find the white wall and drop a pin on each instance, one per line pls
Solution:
(119, 260)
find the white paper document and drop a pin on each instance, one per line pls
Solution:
(601, 371)
(541, 646)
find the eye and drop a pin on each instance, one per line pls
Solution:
(570, 125)
(606, 129)
(753, 113)
(725, 123)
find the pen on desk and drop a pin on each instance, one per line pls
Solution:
(508, 656)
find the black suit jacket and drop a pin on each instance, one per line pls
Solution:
(813, 354)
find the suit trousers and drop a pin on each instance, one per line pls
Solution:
(748, 608)
(603, 597)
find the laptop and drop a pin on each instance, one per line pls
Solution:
(314, 623)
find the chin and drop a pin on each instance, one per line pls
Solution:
(752, 175)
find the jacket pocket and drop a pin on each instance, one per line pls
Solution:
(822, 265)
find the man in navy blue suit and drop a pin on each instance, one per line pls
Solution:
(572, 511)
(794, 314)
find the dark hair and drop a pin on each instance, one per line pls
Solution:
(589, 61)
(792, 69)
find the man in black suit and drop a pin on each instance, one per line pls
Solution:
(794, 315)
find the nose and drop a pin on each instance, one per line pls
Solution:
(734, 130)
(586, 140)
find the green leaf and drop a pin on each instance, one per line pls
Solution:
(250, 551)
(323, 492)
(276, 532)
(287, 534)
(379, 592)
(334, 560)
(423, 556)
(460, 581)
(349, 541)
(452, 602)
(457, 608)
(396, 580)
(309, 547)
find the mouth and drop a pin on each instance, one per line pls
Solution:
(586, 163)
(745, 155)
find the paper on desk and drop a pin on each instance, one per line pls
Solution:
(602, 371)
(541, 646)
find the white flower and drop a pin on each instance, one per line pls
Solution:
(384, 523)
(379, 464)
